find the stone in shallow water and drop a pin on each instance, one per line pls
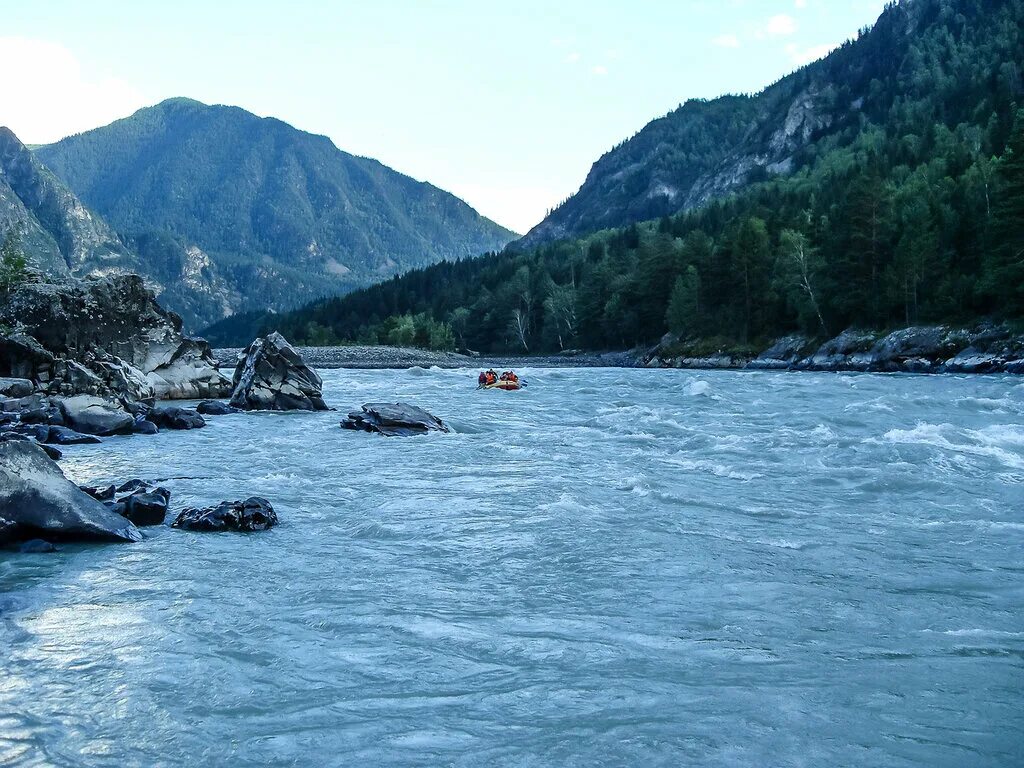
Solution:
(271, 376)
(216, 408)
(394, 419)
(173, 417)
(96, 416)
(36, 546)
(253, 514)
(37, 500)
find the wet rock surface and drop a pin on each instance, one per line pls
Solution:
(272, 376)
(37, 501)
(393, 420)
(253, 514)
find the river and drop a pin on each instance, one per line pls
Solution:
(611, 567)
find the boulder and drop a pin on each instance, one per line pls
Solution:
(96, 416)
(974, 360)
(64, 436)
(216, 408)
(271, 376)
(49, 450)
(21, 356)
(173, 417)
(782, 354)
(37, 501)
(15, 387)
(147, 507)
(1014, 366)
(393, 419)
(253, 514)
(184, 369)
(144, 427)
(98, 492)
(850, 350)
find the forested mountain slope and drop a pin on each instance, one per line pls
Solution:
(923, 62)
(257, 213)
(910, 214)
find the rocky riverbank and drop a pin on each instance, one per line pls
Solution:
(985, 348)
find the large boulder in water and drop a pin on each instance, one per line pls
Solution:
(271, 376)
(253, 514)
(96, 416)
(37, 501)
(173, 417)
(394, 419)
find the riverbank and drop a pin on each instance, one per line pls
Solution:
(383, 358)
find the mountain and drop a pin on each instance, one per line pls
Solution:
(899, 200)
(252, 213)
(705, 150)
(56, 229)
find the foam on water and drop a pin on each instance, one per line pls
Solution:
(612, 567)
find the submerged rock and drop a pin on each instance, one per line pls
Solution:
(253, 514)
(271, 376)
(393, 419)
(37, 501)
(96, 416)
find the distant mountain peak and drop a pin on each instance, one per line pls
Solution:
(281, 216)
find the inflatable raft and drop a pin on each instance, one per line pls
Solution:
(508, 386)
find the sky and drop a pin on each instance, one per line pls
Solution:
(505, 104)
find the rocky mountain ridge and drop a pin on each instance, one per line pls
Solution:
(230, 212)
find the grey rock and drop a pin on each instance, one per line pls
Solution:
(144, 427)
(393, 419)
(173, 417)
(271, 376)
(253, 514)
(216, 408)
(146, 508)
(37, 501)
(15, 387)
(100, 493)
(974, 360)
(64, 436)
(96, 416)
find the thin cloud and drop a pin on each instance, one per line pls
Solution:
(780, 26)
(803, 56)
(600, 69)
(726, 41)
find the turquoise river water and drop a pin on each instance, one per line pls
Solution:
(612, 567)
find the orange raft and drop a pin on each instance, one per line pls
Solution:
(508, 386)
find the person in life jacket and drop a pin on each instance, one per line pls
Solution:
(481, 379)
(491, 377)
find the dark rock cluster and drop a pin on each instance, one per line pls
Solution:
(393, 419)
(253, 514)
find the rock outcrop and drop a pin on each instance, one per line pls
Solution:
(271, 376)
(393, 419)
(253, 514)
(103, 336)
(985, 348)
(96, 416)
(37, 501)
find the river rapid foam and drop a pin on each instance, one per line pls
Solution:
(611, 567)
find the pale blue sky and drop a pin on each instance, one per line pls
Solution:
(506, 104)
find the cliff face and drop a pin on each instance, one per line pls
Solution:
(103, 336)
(58, 231)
